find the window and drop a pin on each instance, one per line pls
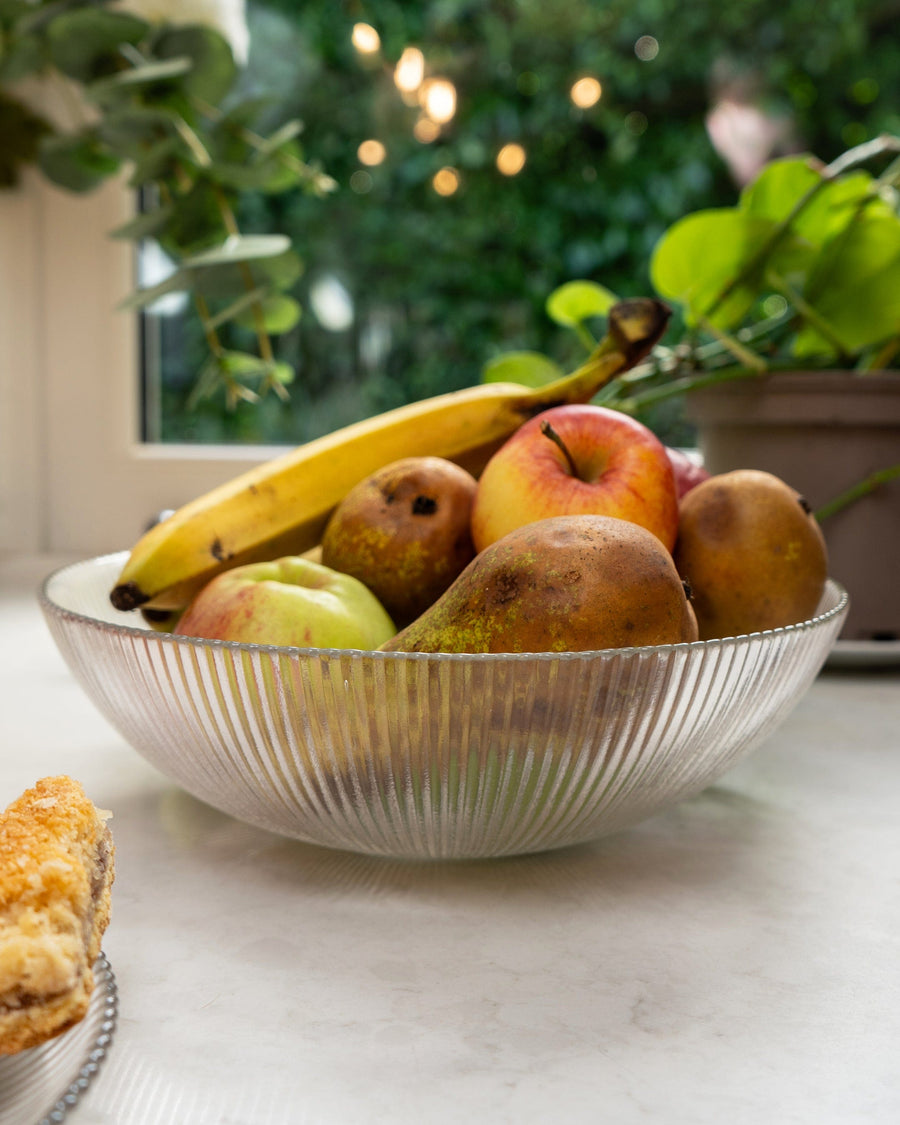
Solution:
(74, 474)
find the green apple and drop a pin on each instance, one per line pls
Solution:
(291, 601)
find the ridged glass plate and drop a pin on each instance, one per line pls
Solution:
(42, 1084)
(432, 755)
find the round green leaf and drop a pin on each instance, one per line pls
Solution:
(784, 183)
(77, 163)
(106, 91)
(778, 187)
(131, 129)
(84, 43)
(283, 373)
(279, 312)
(195, 223)
(177, 282)
(224, 280)
(213, 69)
(244, 365)
(701, 254)
(240, 248)
(854, 287)
(530, 369)
(577, 301)
(270, 176)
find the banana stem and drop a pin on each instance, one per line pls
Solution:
(633, 328)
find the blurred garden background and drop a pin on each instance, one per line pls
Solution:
(487, 151)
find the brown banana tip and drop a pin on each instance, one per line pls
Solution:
(128, 596)
(637, 324)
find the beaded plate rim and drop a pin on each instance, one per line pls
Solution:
(101, 1018)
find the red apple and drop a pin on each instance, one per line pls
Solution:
(577, 460)
(688, 472)
(290, 601)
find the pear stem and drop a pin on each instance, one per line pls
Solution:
(548, 431)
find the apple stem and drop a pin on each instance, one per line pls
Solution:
(548, 431)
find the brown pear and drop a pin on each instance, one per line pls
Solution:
(751, 552)
(404, 532)
(563, 584)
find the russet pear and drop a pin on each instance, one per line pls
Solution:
(751, 551)
(562, 584)
(404, 532)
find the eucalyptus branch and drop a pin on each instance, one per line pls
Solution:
(307, 173)
(256, 309)
(242, 304)
(209, 329)
(153, 92)
(189, 136)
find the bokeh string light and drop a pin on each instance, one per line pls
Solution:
(365, 38)
(446, 181)
(438, 99)
(511, 159)
(586, 92)
(371, 152)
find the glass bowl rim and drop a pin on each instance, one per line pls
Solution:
(145, 632)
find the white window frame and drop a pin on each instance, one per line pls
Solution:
(75, 477)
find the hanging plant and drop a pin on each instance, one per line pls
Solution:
(158, 103)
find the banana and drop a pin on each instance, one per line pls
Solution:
(281, 507)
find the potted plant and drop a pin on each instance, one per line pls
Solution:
(789, 320)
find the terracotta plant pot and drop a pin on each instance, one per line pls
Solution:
(822, 432)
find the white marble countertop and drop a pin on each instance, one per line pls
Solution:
(734, 959)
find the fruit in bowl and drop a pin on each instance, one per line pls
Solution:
(452, 738)
(405, 532)
(752, 552)
(282, 507)
(577, 460)
(563, 584)
(688, 472)
(290, 601)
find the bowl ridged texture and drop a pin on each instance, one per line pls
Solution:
(432, 755)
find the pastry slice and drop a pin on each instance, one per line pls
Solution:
(56, 873)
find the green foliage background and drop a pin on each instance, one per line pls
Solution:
(448, 283)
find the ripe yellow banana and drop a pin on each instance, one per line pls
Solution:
(282, 506)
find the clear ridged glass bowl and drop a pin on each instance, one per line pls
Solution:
(432, 755)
